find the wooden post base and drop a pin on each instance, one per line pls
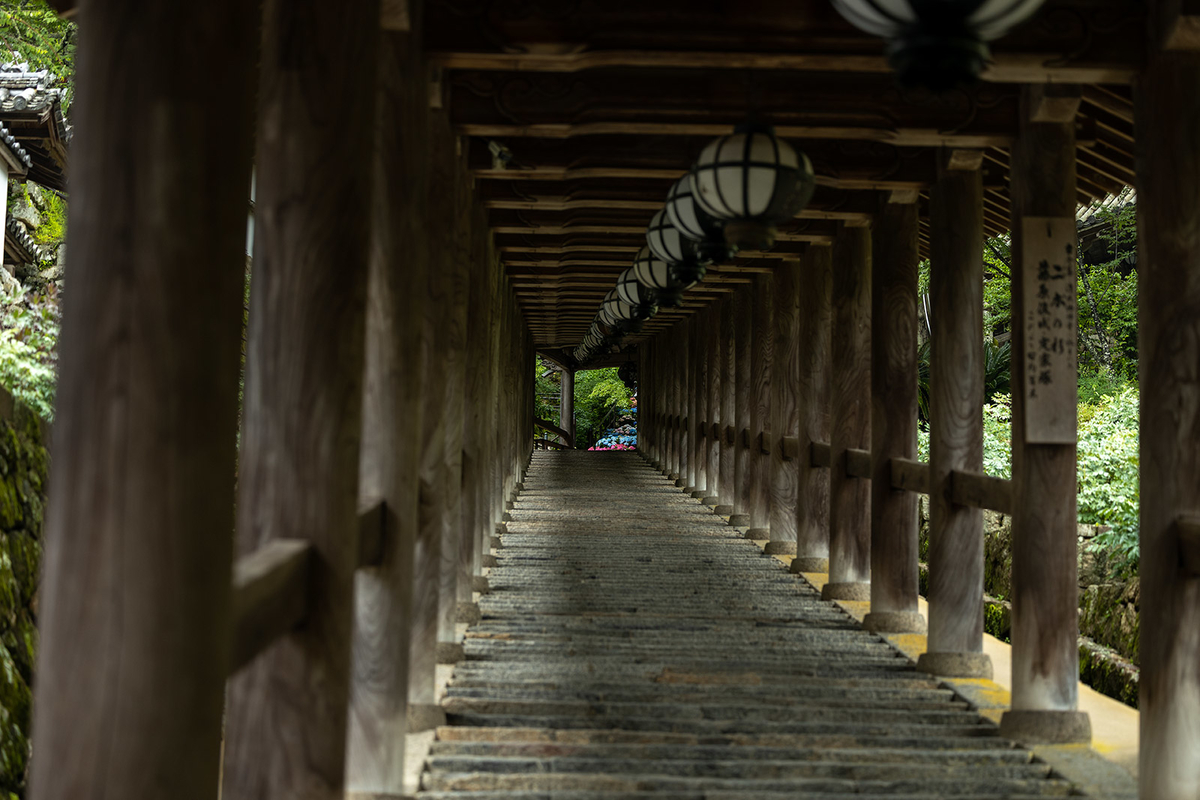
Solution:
(480, 584)
(698, 494)
(424, 717)
(1046, 727)
(894, 622)
(449, 653)
(723, 510)
(680, 483)
(851, 590)
(780, 549)
(739, 520)
(757, 533)
(711, 500)
(468, 613)
(809, 564)
(956, 665)
(489, 560)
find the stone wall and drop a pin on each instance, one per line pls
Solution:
(23, 473)
(1108, 605)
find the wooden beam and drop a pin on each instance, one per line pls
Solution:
(298, 478)
(758, 473)
(850, 412)
(133, 606)
(909, 475)
(977, 490)
(1053, 102)
(726, 357)
(270, 597)
(785, 412)
(743, 327)
(894, 543)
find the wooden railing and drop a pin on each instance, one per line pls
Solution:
(568, 439)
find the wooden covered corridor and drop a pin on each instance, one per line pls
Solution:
(266, 522)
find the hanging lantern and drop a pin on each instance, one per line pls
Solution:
(938, 44)
(623, 316)
(632, 291)
(695, 224)
(752, 181)
(660, 278)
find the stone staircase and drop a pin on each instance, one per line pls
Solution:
(634, 645)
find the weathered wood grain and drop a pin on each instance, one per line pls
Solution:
(785, 383)
(758, 465)
(812, 405)
(713, 356)
(850, 403)
(980, 491)
(727, 357)
(1045, 624)
(912, 476)
(956, 410)
(743, 303)
(270, 597)
(894, 556)
(286, 720)
(137, 559)
(566, 408)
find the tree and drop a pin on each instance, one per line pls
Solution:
(30, 31)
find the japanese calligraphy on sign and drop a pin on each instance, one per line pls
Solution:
(1050, 369)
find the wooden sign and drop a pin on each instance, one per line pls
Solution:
(1050, 372)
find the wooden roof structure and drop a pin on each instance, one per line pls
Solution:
(597, 107)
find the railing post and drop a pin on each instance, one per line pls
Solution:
(759, 464)
(850, 424)
(377, 719)
(566, 402)
(134, 616)
(727, 354)
(1167, 107)
(286, 723)
(812, 405)
(785, 414)
(1045, 526)
(955, 643)
(695, 470)
(743, 326)
(894, 576)
(712, 359)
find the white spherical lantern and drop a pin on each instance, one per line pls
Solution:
(752, 181)
(937, 44)
(660, 278)
(633, 292)
(623, 316)
(691, 222)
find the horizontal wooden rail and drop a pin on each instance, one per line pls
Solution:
(981, 491)
(557, 431)
(1187, 529)
(858, 463)
(716, 432)
(730, 434)
(820, 454)
(373, 527)
(765, 442)
(790, 447)
(551, 445)
(270, 596)
(746, 438)
(910, 475)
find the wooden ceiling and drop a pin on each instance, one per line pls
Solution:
(600, 105)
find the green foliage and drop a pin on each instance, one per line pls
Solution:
(546, 387)
(31, 31)
(997, 360)
(53, 230)
(1108, 317)
(28, 355)
(599, 397)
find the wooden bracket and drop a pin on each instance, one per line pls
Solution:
(765, 442)
(1177, 24)
(1187, 531)
(789, 447)
(911, 476)
(730, 434)
(963, 159)
(270, 596)
(702, 430)
(820, 454)
(980, 491)
(904, 196)
(1053, 102)
(746, 438)
(716, 432)
(858, 463)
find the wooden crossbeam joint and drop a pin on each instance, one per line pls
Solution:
(765, 442)
(270, 596)
(730, 434)
(909, 475)
(702, 429)
(980, 491)
(1187, 531)
(820, 454)
(746, 438)
(789, 447)
(1053, 102)
(716, 432)
(858, 463)
(372, 534)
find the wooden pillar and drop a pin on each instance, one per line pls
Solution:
(392, 419)
(728, 432)
(712, 358)
(1167, 105)
(812, 404)
(894, 557)
(1045, 624)
(476, 527)
(694, 471)
(286, 721)
(700, 377)
(785, 416)
(135, 591)
(955, 644)
(759, 465)
(566, 402)
(850, 422)
(743, 327)
(679, 384)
